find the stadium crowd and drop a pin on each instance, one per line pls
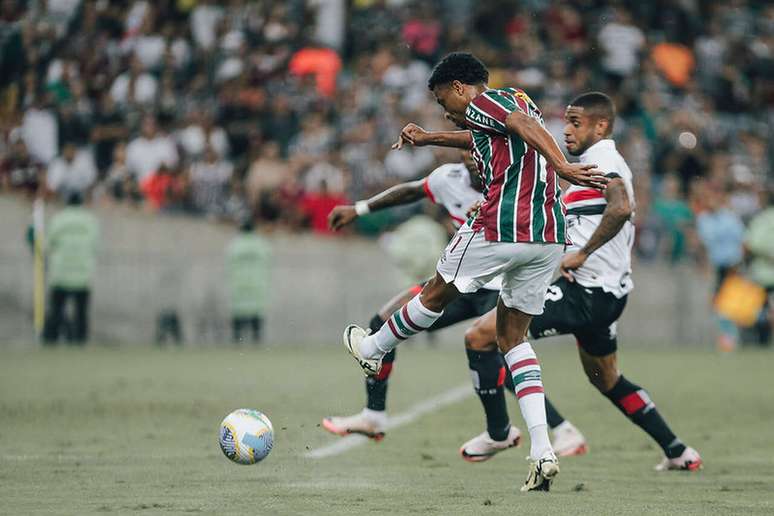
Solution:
(281, 110)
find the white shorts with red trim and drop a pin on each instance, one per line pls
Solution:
(470, 261)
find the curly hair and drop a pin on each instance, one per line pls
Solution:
(458, 66)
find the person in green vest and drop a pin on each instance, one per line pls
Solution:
(71, 250)
(247, 261)
(759, 245)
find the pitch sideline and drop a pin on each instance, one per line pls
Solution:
(414, 412)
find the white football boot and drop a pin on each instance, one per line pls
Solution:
(690, 460)
(369, 423)
(542, 473)
(353, 336)
(568, 441)
(482, 447)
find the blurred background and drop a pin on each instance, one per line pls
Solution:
(197, 148)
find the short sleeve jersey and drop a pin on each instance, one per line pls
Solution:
(521, 190)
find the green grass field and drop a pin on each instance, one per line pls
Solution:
(135, 431)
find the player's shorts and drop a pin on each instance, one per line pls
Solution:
(588, 313)
(470, 261)
(465, 307)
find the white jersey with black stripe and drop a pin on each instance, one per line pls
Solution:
(449, 185)
(609, 267)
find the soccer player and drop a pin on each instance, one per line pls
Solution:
(591, 293)
(457, 187)
(519, 233)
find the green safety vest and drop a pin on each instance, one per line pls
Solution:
(72, 248)
(247, 263)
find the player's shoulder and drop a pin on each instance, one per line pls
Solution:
(606, 156)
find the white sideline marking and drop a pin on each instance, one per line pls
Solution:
(427, 406)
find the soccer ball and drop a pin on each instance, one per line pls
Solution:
(246, 436)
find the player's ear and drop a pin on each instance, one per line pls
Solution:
(457, 87)
(602, 127)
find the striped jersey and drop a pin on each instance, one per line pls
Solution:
(609, 267)
(522, 194)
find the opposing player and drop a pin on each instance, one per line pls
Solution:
(590, 296)
(519, 233)
(456, 187)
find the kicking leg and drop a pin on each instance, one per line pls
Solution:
(634, 403)
(415, 316)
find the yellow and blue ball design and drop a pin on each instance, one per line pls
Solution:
(246, 436)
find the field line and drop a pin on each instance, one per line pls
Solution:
(414, 412)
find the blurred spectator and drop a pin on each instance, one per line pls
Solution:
(39, 130)
(164, 189)
(109, 128)
(201, 132)
(721, 232)
(622, 42)
(149, 151)
(71, 251)
(265, 177)
(759, 244)
(332, 82)
(72, 172)
(317, 204)
(209, 178)
(247, 267)
(674, 217)
(134, 86)
(18, 171)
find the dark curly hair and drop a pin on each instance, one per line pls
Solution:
(597, 104)
(458, 66)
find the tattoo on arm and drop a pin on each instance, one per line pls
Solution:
(404, 193)
(617, 212)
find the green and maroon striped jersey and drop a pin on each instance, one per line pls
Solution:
(522, 194)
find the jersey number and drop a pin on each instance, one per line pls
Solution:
(554, 293)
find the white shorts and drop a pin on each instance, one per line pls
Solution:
(470, 261)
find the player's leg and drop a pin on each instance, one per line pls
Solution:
(597, 351)
(55, 318)
(487, 370)
(81, 316)
(522, 296)
(482, 336)
(418, 314)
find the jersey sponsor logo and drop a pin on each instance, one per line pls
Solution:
(482, 120)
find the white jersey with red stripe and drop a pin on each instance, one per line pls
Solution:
(449, 185)
(609, 267)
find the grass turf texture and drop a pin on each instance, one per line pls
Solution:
(135, 431)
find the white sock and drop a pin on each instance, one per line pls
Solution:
(564, 425)
(525, 370)
(378, 417)
(411, 319)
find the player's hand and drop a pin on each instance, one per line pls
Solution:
(340, 216)
(473, 209)
(411, 134)
(584, 174)
(571, 262)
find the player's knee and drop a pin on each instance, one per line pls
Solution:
(437, 294)
(602, 378)
(477, 339)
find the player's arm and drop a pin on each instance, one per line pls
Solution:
(404, 193)
(617, 212)
(415, 135)
(530, 130)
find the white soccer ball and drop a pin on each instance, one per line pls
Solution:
(246, 436)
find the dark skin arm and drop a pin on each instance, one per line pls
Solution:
(535, 135)
(617, 212)
(415, 135)
(404, 193)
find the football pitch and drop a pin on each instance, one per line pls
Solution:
(134, 431)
